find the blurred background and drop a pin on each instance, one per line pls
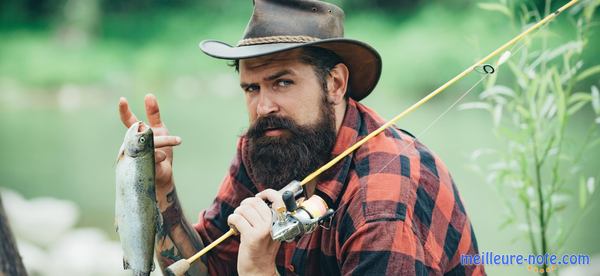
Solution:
(65, 63)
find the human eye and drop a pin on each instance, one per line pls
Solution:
(284, 83)
(251, 88)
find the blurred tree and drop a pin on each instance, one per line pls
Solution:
(390, 6)
(118, 6)
(79, 21)
(28, 10)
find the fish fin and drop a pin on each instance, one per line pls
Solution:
(121, 153)
(152, 267)
(125, 263)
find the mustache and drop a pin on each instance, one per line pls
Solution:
(262, 124)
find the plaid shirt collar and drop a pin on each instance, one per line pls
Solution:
(331, 184)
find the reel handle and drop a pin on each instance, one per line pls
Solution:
(290, 201)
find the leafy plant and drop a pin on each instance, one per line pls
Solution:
(550, 92)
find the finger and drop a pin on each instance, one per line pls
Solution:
(166, 141)
(127, 117)
(273, 196)
(152, 111)
(251, 215)
(159, 156)
(264, 210)
(239, 223)
(259, 206)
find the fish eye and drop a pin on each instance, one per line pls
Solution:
(142, 140)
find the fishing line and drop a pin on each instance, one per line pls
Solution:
(486, 69)
(422, 133)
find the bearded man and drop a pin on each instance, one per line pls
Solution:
(397, 210)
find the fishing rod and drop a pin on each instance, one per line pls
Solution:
(181, 266)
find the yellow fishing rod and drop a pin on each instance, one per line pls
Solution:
(181, 266)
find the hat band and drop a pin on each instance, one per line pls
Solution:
(277, 39)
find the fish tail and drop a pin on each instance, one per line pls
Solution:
(141, 273)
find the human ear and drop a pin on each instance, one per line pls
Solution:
(337, 82)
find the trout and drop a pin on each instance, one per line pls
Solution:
(137, 215)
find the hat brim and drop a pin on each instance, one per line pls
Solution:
(363, 62)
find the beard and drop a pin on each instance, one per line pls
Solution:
(299, 150)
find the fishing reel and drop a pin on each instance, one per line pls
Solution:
(298, 217)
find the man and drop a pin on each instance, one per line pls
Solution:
(397, 210)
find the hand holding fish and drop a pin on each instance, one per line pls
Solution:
(163, 143)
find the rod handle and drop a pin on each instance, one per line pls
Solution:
(178, 268)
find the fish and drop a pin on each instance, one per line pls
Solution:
(137, 217)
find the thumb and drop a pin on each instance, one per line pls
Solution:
(273, 196)
(159, 156)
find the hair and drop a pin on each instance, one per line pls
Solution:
(322, 60)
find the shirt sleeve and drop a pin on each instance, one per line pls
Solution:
(398, 224)
(391, 247)
(383, 247)
(212, 222)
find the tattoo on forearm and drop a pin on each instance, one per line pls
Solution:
(191, 232)
(171, 254)
(177, 239)
(172, 216)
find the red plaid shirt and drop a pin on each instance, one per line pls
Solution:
(398, 211)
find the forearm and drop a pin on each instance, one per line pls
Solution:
(176, 238)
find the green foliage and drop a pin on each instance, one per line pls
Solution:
(49, 10)
(541, 165)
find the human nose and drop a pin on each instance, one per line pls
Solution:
(266, 105)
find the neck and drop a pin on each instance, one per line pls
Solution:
(339, 110)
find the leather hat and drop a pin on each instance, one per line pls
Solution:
(280, 25)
